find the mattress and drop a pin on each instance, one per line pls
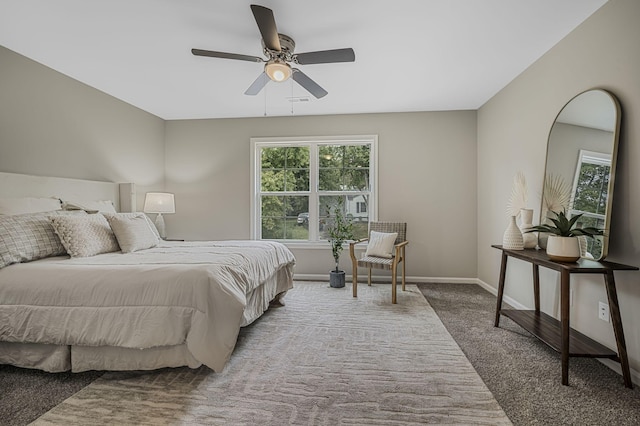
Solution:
(179, 296)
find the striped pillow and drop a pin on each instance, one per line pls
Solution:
(28, 237)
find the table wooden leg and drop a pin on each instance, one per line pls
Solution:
(614, 309)
(536, 287)
(503, 274)
(564, 319)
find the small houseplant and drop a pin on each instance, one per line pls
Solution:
(339, 231)
(563, 244)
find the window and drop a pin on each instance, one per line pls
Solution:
(589, 196)
(297, 183)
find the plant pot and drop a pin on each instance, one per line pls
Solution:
(336, 279)
(563, 249)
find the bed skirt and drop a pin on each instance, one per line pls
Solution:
(59, 358)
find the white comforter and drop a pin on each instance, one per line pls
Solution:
(179, 292)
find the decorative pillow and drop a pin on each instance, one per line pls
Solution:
(85, 235)
(103, 206)
(132, 231)
(12, 206)
(381, 244)
(27, 237)
(149, 221)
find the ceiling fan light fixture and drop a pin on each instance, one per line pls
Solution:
(277, 70)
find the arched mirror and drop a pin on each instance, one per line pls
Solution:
(581, 164)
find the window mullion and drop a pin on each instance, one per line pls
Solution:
(313, 192)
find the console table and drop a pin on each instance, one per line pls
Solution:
(557, 334)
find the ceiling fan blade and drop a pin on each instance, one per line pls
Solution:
(257, 85)
(224, 55)
(311, 86)
(326, 56)
(267, 26)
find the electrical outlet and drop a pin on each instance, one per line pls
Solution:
(603, 311)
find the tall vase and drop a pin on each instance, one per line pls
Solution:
(526, 222)
(512, 238)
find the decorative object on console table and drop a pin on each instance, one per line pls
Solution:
(526, 222)
(563, 244)
(159, 203)
(555, 198)
(340, 230)
(512, 238)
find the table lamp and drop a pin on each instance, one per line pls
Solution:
(159, 202)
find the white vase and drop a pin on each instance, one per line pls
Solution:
(563, 249)
(512, 237)
(526, 222)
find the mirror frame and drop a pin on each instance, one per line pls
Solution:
(612, 170)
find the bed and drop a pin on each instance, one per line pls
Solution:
(169, 305)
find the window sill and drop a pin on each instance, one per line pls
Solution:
(320, 245)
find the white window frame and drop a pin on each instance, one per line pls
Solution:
(312, 142)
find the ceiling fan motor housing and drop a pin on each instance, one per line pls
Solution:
(287, 46)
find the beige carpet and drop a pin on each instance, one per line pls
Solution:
(323, 359)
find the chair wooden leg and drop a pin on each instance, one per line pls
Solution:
(393, 286)
(369, 277)
(355, 280)
(403, 271)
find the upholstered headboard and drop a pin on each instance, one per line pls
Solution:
(15, 185)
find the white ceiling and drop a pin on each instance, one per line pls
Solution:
(411, 55)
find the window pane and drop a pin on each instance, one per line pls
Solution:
(357, 155)
(343, 168)
(297, 157)
(285, 217)
(297, 180)
(272, 206)
(330, 179)
(272, 229)
(356, 209)
(591, 190)
(356, 179)
(294, 205)
(272, 180)
(273, 158)
(284, 169)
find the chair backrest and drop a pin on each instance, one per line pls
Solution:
(399, 227)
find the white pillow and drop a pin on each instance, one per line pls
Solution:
(381, 244)
(84, 236)
(102, 206)
(149, 221)
(10, 206)
(133, 232)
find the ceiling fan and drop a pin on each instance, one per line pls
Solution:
(278, 48)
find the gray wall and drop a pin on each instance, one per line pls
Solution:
(52, 125)
(512, 135)
(427, 173)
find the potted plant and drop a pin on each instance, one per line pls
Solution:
(339, 230)
(563, 244)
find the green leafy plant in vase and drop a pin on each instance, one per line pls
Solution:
(563, 244)
(339, 230)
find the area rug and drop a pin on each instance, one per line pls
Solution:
(325, 358)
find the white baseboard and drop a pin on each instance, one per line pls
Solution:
(387, 279)
(615, 366)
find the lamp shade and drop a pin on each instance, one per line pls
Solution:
(159, 202)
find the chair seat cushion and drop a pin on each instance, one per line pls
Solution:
(376, 262)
